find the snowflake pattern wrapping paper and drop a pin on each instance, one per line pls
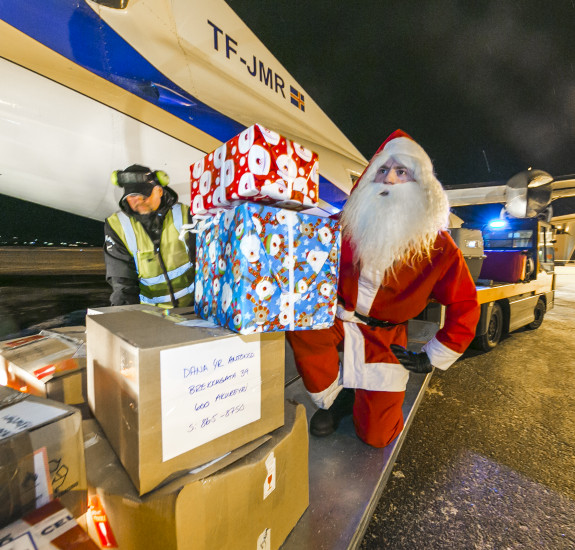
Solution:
(257, 165)
(265, 269)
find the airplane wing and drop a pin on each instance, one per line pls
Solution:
(479, 193)
(563, 187)
(526, 194)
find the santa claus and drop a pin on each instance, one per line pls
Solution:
(396, 256)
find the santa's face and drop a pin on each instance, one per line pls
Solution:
(385, 220)
(392, 173)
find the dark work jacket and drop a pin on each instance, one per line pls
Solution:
(121, 271)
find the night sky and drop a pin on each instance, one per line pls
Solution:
(486, 87)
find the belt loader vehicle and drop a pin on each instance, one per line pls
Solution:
(513, 264)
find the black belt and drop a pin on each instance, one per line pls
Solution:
(375, 322)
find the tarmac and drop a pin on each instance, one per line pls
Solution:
(489, 460)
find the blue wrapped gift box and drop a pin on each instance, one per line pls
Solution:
(265, 269)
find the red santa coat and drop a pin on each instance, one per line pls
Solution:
(368, 361)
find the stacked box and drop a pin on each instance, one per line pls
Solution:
(249, 499)
(117, 309)
(265, 269)
(51, 526)
(257, 165)
(42, 453)
(171, 397)
(50, 364)
(157, 310)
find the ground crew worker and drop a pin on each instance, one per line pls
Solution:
(146, 262)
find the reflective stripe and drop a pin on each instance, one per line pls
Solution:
(130, 236)
(168, 298)
(178, 222)
(174, 274)
(177, 215)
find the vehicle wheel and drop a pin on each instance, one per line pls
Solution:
(494, 329)
(539, 314)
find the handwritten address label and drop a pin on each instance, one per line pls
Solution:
(26, 415)
(208, 390)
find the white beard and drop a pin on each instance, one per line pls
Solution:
(398, 227)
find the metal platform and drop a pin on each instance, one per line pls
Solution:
(346, 476)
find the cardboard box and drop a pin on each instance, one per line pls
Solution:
(50, 364)
(118, 309)
(257, 165)
(260, 268)
(157, 310)
(171, 397)
(42, 455)
(49, 527)
(253, 502)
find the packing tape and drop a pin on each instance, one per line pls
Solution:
(291, 264)
(200, 223)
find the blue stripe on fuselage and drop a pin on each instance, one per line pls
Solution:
(74, 30)
(332, 194)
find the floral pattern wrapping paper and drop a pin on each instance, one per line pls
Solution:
(257, 165)
(265, 269)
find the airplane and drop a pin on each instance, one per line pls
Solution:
(89, 87)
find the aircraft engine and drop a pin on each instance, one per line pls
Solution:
(528, 193)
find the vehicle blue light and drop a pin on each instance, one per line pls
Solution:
(497, 224)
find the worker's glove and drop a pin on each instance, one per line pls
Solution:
(415, 362)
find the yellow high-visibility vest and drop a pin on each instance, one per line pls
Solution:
(179, 270)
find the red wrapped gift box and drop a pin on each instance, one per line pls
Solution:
(257, 165)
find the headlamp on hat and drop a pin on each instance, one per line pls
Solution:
(130, 176)
(139, 180)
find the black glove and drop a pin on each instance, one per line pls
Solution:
(415, 362)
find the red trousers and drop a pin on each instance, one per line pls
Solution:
(377, 415)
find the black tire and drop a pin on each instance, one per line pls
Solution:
(539, 314)
(494, 330)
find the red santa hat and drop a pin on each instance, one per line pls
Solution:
(398, 143)
(394, 135)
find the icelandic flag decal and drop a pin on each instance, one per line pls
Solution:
(297, 98)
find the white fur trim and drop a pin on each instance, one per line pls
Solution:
(344, 315)
(440, 356)
(324, 399)
(368, 376)
(406, 146)
(368, 286)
